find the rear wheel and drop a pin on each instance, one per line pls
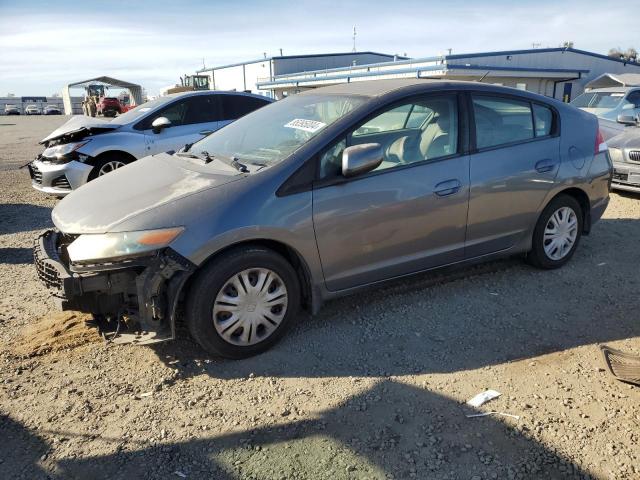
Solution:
(243, 302)
(107, 164)
(557, 233)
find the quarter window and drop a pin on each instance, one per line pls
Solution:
(543, 117)
(500, 121)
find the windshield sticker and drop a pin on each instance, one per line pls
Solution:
(306, 125)
(144, 109)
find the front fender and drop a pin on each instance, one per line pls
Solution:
(129, 142)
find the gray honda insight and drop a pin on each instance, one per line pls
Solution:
(319, 195)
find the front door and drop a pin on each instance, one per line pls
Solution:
(192, 118)
(516, 164)
(407, 215)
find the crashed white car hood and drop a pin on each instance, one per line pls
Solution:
(79, 123)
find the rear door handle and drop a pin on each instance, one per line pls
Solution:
(205, 132)
(546, 165)
(448, 187)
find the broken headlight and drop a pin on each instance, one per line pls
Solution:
(118, 246)
(63, 153)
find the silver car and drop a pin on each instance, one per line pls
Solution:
(85, 148)
(322, 194)
(625, 155)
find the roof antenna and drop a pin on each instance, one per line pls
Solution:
(354, 39)
(484, 76)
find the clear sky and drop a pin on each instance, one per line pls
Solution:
(47, 44)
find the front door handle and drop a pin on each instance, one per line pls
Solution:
(448, 187)
(546, 165)
(205, 132)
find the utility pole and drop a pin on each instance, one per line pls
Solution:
(203, 65)
(354, 39)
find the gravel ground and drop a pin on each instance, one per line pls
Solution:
(371, 388)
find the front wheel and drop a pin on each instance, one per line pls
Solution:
(107, 164)
(557, 233)
(243, 302)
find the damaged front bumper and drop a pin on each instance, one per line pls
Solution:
(58, 178)
(140, 295)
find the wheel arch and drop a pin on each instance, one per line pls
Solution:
(583, 199)
(121, 153)
(297, 261)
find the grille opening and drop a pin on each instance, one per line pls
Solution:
(61, 182)
(634, 155)
(36, 174)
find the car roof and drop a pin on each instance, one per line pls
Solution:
(209, 92)
(379, 88)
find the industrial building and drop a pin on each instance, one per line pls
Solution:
(555, 72)
(245, 76)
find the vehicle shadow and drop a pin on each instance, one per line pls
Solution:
(392, 429)
(22, 217)
(16, 256)
(476, 320)
(20, 451)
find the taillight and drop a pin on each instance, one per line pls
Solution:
(601, 145)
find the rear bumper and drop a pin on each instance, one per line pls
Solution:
(58, 179)
(626, 176)
(143, 293)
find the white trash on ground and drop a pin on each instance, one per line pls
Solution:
(483, 397)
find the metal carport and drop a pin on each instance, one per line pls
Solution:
(607, 80)
(134, 89)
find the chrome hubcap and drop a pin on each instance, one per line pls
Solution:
(110, 167)
(250, 306)
(560, 233)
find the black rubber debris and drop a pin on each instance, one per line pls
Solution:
(623, 366)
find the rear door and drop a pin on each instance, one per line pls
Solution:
(192, 118)
(514, 166)
(407, 215)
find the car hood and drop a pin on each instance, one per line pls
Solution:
(629, 139)
(80, 126)
(104, 203)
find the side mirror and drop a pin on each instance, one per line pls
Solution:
(360, 159)
(626, 119)
(160, 124)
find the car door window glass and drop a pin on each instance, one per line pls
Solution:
(433, 134)
(634, 99)
(394, 119)
(202, 109)
(174, 112)
(543, 117)
(501, 121)
(236, 106)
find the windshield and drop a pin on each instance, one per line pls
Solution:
(137, 112)
(272, 133)
(598, 100)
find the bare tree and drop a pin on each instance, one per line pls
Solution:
(630, 55)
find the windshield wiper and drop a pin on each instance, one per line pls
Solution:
(186, 154)
(207, 158)
(241, 167)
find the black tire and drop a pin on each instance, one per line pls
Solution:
(105, 159)
(213, 277)
(538, 256)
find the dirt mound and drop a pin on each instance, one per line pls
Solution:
(56, 332)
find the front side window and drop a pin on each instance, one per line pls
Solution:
(607, 100)
(501, 121)
(425, 129)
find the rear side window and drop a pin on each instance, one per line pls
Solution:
(500, 121)
(543, 117)
(202, 109)
(236, 106)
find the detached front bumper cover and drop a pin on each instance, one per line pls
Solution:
(143, 293)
